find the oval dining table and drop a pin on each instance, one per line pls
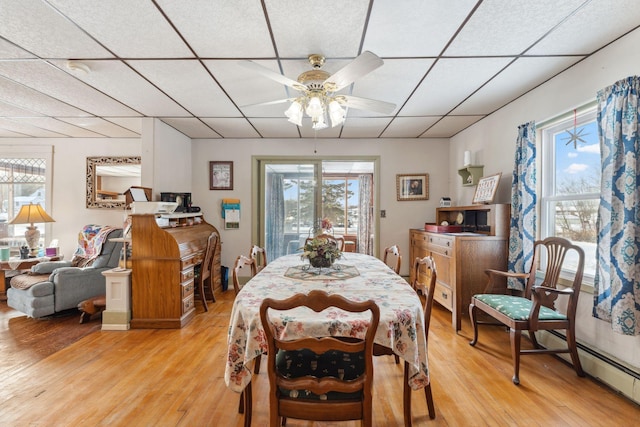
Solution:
(355, 276)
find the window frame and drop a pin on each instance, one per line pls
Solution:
(547, 183)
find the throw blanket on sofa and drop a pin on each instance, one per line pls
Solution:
(25, 281)
(90, 241)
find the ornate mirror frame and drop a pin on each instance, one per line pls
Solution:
(92, 163)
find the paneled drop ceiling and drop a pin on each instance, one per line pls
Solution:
(447, 64)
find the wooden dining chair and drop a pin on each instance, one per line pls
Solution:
(319, 378)
(242, 262)
(205, 269)
(425, 275)
(535, 310)
(260, 256)
(339, 240)
(392, 253)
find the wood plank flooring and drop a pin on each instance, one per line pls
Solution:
(176, 378)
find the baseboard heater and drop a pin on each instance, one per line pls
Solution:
(633, 376)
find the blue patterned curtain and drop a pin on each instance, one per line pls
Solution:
(617, 284)
(274, 216)
(523, 204)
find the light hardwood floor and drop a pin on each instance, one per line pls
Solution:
(176, 378)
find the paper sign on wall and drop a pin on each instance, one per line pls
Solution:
(231, 213)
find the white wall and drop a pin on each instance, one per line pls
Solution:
(492, 140)
(402, 156)
(69, 183)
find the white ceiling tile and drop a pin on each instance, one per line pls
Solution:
(449, 126)
(9, 110)
(507, 27)
(427, 24)
(122, 32)
(26, 128)
(10, 51)
(308, 132)
(125, 85)
(364, 127)
(101, 126)
(449, 83)
(195, 90)
(222, 29)
(5, 133)
(32, 100)
(231, 127)
(63, 86)
(584, 32)
(134, 124)
(59, 127)
(520, 77)
(301, 29)
(41, 30)
(275, 128)
(191, 127)
(409, 127)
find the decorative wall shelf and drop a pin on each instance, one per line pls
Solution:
(471, 174)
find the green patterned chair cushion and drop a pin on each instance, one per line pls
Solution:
(295, 364)
(517, 308)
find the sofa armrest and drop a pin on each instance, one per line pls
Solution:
(73, 285)
(47, 267)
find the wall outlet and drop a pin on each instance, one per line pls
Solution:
(383, 213)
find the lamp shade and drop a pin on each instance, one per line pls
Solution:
(30, 214)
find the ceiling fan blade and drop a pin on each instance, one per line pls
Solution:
(368, 104)
(362, 65)
(262, 104)
(272, 75)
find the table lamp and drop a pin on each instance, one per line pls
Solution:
(30, 214)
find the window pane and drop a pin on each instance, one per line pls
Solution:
(577, 161)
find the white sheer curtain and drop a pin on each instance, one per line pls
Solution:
(274, 216)
(365, 215)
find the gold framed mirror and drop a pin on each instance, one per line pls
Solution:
(108, 178)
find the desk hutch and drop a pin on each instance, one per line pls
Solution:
(462, 258)
(165, 261)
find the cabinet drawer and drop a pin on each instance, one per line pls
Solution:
(443, 296)
(187, 288)
(442, 241)
(187, 262)
(187, 304)
(187, 274)
(420, 240)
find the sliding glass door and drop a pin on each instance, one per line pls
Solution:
(295, 194)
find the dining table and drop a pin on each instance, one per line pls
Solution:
(355, 276)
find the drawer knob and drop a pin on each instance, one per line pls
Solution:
(446, 252)
(445, 296)
(448, 243)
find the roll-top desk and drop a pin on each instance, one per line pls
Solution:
(164, 262)
(462, 258)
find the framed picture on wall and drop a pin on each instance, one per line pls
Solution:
(220, 175)
(486, 189)
(412, 187)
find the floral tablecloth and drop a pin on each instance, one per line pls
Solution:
(401, 326)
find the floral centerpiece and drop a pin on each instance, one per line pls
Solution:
(321, 251)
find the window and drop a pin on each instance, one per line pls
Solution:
(570, 184)
(24, 179)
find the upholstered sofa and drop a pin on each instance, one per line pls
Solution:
(54, 286)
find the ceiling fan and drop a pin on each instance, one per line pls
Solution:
(318, 97)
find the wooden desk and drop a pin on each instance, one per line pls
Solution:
(401, 326)
(18, 264)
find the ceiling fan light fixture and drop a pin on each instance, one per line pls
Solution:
(314, 106)
(336, 113)
(294, 113)
(319, 122)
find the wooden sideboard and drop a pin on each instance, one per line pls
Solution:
(462, 258)
(164, 264)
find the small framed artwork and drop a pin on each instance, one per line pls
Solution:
(412, 187)
(486, 189)
(220, 175)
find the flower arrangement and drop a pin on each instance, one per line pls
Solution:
(321, 251)
(326, 224)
